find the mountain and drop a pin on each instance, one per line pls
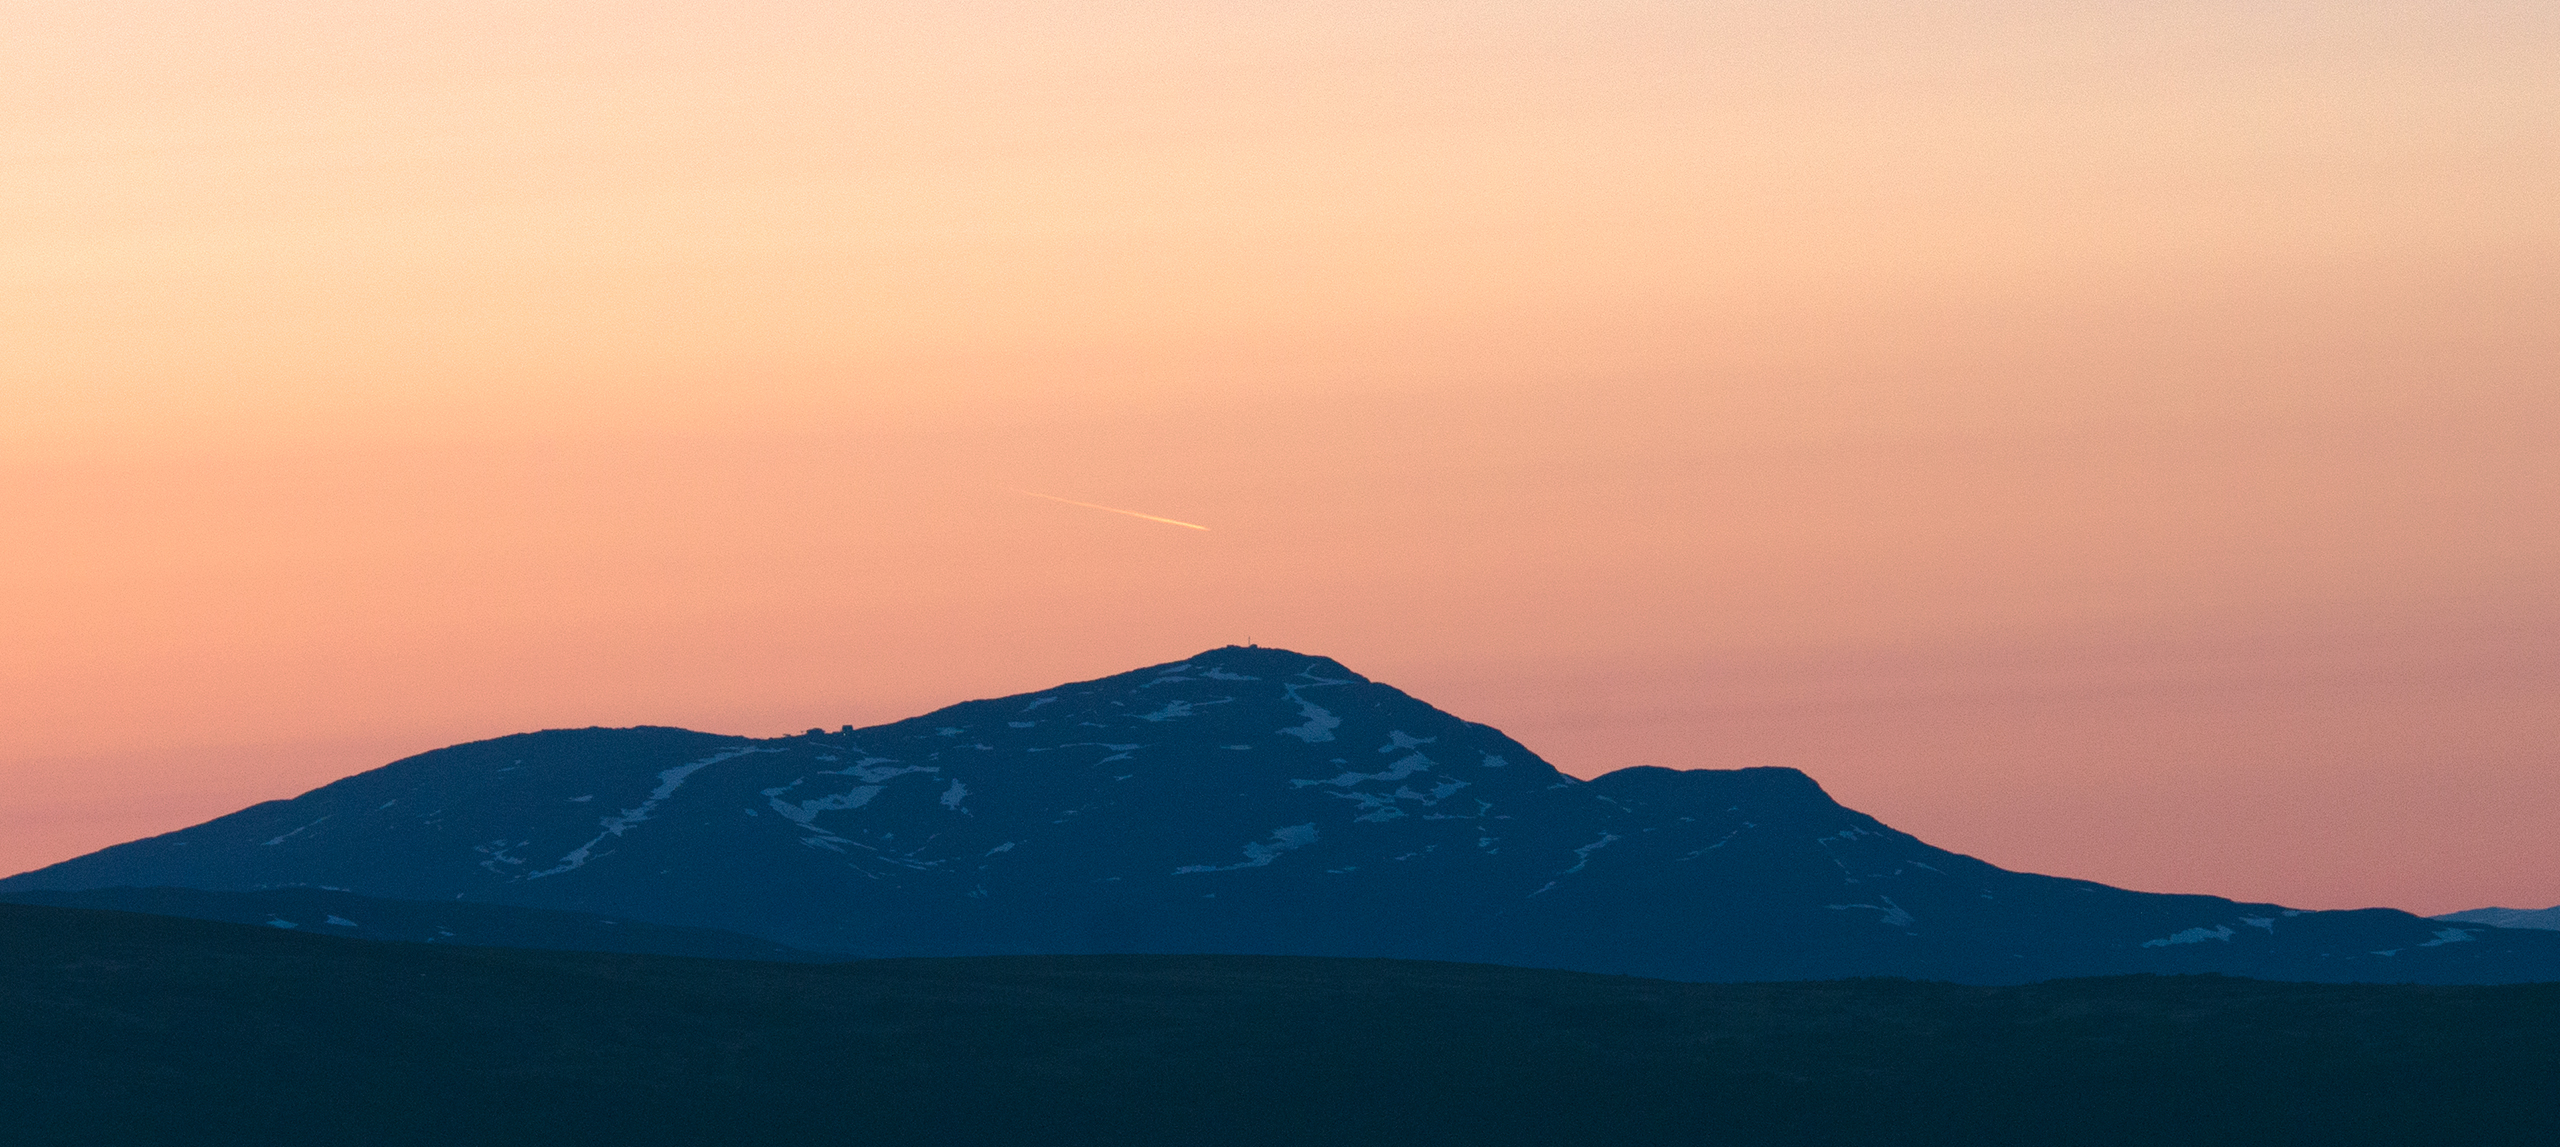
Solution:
(2547, 919)
(1244, 801)
(125, 1029)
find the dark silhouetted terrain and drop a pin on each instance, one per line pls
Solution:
(119, 1028)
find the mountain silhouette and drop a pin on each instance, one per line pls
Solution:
(1246, 801)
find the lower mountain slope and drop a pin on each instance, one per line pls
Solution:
(1243, 801)
(453, 922)
(128, 1029)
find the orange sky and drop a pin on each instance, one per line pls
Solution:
(2112, 439)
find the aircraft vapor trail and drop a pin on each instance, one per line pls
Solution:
(1116, 510)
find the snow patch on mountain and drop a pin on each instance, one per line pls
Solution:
(1258, 854)
(1401, 769)
(1894, 915)
(2220, 932)
(1320, 722)
(803, 812)
(1582, 855)
(875, 770)
(298, 832)
(1176, 710)
(668, 782)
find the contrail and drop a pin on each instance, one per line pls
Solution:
(1117, 510)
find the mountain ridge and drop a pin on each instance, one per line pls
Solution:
(2544, 919)
(1245, 800)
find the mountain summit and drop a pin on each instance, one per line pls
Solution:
(1246, 800)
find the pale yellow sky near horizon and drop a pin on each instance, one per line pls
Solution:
(2112, 439)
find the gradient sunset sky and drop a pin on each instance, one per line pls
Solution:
(2113, 439)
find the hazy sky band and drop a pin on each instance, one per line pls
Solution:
(2108, 438)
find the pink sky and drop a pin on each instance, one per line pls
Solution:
(2115, 440)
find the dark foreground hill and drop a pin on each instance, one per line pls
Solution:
(1246, 801)
(128, 1029)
